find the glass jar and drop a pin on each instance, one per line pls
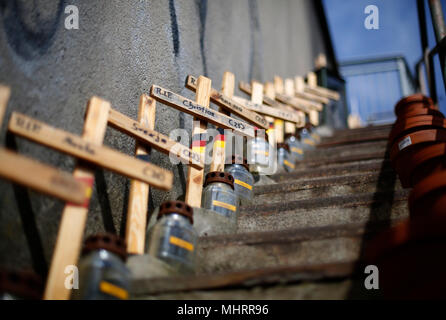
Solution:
(243, 179)
(283, 158)
(219, 195)
(296, 148)
(308, 142)
(258, 150)
(173, 238)
(103, 274)
(20, 285)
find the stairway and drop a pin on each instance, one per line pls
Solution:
(302, 238)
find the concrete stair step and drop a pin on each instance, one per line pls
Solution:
(306, 164)
(324, 211)
(304, 282)
(354, 138)
(345, 150)
(364, 130)
(327, 187)
(297, 247)
(302, 259)
(335, 170)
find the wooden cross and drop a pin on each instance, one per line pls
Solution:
(269, 99)
(90, 151)
(227, 105)
(201, 111)
(226, 101)
(269, 112)
(72, 225)
(35, 175)
(88, 147)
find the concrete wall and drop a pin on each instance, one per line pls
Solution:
(119, 51)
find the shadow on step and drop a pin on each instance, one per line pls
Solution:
(386, 182)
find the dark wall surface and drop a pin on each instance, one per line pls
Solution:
(120, 49)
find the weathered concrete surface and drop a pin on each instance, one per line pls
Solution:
(343, 151)
(349, 168)
(327, 187)
(292, 248)
(119, 51)
(333, 290)
(314, 212)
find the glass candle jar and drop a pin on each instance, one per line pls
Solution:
(20, 285)
(103, 274)
(258, 150)
(173, 238)
(243, 179)
(296, 148)
(283, 157)
(219, 195)
(308, 142)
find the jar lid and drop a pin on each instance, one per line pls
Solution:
(23, 284)
(106, 241)
(217, 176)
(178, 207)
(283, 146)
(239, 160)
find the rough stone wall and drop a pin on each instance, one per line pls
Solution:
(119, 51)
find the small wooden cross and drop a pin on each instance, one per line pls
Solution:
(201, 111)
(93, 152)
(88, 147)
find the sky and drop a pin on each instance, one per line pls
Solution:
(398, 32)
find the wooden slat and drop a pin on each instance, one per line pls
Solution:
(257, 98)
(5, 93)
(35, 175)
(269, 111)
(72, 225)
(278, 123)
(42, 178)
(288, 97)
(201, 112)
(90, 151)
(299, 84)
(225, 102)
(194, 183)
(135, 232)
(157, 140)
(219, 146)
(287, 90)
(313, 88)
(246, 88)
